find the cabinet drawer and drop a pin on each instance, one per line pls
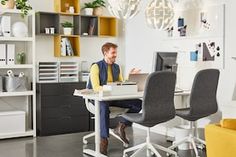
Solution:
(69, 88)
(66, 110)
(56, 101)
(49, 89)
(66, 124)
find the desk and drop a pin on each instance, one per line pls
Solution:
(98, 98)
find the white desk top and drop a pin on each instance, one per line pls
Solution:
(96, 96)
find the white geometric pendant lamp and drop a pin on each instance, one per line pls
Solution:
(123, 9)
(159, 14)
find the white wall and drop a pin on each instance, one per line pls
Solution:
(142, 41)
(90, 48)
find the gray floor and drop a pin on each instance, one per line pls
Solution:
(70, 145)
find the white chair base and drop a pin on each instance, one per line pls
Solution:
(150, 147)
(194, 141)
(111, 132)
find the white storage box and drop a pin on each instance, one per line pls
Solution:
(113, 90)
(12, 122)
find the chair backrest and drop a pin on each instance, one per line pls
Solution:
(203, 94)
(158, 100)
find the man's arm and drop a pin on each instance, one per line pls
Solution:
(94, 77)
(120, 78)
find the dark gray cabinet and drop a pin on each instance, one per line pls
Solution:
(58, 111)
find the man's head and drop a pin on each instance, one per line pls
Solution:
(109, 51)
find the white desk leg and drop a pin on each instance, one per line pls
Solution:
(97, 134)
(97, 127)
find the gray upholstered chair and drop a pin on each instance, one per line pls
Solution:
(157, 107)
(202, 103)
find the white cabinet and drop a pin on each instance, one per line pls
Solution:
(20, 101)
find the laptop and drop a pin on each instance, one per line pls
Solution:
(139, 79)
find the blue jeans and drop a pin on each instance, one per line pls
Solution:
(134, 106)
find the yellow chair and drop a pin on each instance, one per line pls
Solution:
(221, 139)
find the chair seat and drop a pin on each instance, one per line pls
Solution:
(138, 118)
(185, 114)
(114, 111)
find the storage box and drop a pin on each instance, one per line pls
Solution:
(113, 90)
(15, 84)
(12, 122)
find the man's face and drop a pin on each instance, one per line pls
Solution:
(111, 55)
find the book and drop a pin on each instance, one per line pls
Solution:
(92, 25)
(63, 47)
(69, 49)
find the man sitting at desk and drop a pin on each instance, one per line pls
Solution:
(101, 73)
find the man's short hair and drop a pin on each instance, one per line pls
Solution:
(107, 46)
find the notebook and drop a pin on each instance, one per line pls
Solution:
(140, 80)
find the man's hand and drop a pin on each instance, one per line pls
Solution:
(134, 71)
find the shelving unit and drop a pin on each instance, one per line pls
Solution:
(84, 25)
(23, 100)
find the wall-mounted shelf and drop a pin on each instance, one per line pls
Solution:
(89, 25)
(107, 26)
(74, 42)
(47, 20)
(60, 7)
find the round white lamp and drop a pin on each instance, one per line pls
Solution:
(123, 9)
(19, 29)
(159, 14)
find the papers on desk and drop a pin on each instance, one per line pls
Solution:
(84, 91)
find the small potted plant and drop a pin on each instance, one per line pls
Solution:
(22, 5)
(98, 7)
(67, 28)
(88, 8)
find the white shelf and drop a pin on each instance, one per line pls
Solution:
(16, 39)
(16, 134)
(10, 94)
(17, 66)
(14, 11)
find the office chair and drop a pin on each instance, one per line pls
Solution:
(114, 112)
(157, 107)
(202, 104)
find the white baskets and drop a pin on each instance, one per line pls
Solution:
(69, 72)
(47, 72)
(58, 72)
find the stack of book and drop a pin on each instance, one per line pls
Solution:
(66, 48)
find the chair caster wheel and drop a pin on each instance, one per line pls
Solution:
(125, 145)
(201, 146)
(85, 142)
